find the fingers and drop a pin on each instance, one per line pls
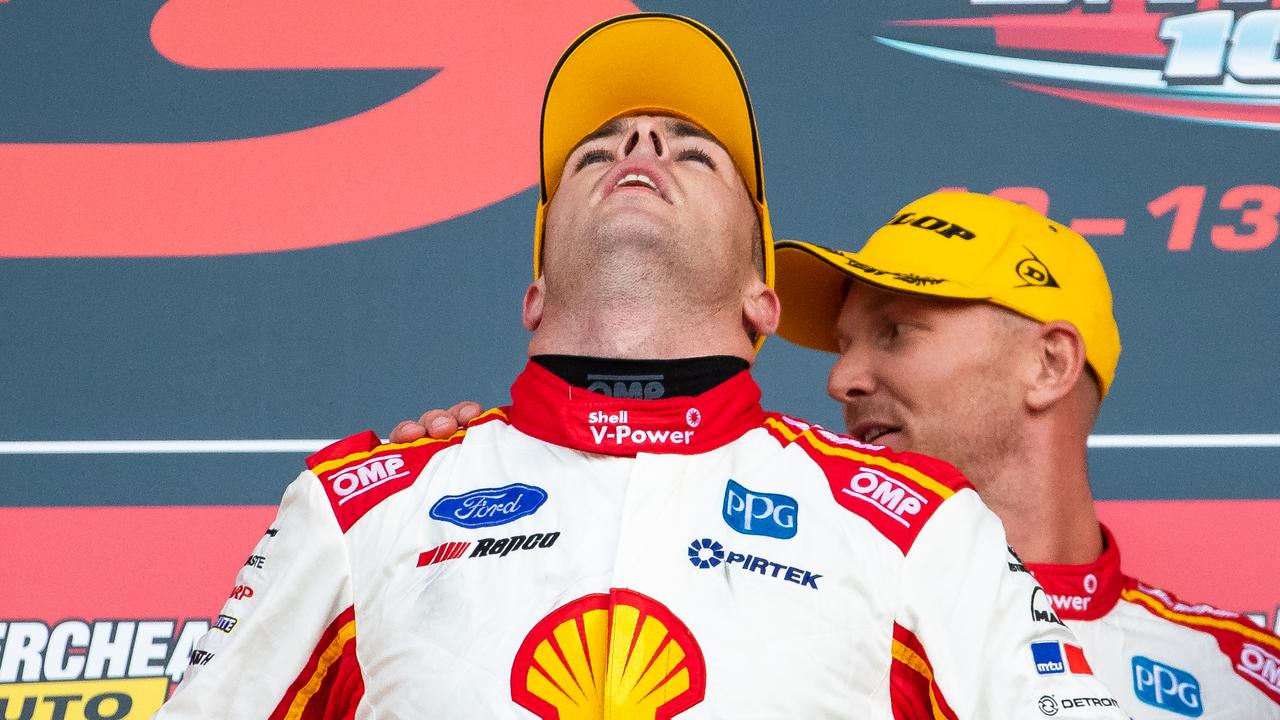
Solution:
(408, 431)
(465, 411)
(439, 424)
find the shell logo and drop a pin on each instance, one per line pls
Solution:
(620, 655)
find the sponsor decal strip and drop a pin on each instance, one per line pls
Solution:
(215, 447)
(1159, 608)
(904, 470)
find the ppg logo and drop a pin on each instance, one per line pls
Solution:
(1166, 687)
(757, 513)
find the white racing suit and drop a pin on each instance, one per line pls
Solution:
(579, 556)
(1162, 658)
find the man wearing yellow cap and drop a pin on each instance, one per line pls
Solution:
(634, 537)
(977, 330)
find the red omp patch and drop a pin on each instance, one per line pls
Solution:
(358, 482)
(895, 492)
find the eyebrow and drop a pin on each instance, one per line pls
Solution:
(677, 128)
(683, 129)
(613, 127)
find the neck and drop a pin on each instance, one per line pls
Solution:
(623, 330)
(1041, 494)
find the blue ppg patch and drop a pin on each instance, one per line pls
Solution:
(1166, 687)
(489, 506)
(757, 513)
(1048, 658)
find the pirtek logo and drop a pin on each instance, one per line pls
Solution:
(945, 228)
(354, 481)
(885, 493)
(1260, 665)
(615, 427)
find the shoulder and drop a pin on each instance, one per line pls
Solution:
(895, 492)
(1254, 653)
(359, 472)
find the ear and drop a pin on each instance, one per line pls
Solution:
(1057, 366)
(531, 311)
(761, 310)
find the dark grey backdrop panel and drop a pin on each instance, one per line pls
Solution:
(321, 343)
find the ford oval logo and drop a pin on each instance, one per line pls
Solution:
(487, 507)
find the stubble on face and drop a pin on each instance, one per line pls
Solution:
(691, 252)
(950, 388)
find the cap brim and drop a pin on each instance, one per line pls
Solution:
(812, 281)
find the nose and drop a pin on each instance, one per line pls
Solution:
(647, 136)
(850, 377)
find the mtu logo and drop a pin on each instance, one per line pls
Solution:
(1055, 658)
(757, 513)
(1166, 687)
(489, 506)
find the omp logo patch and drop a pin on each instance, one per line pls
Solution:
(636, 387)
(356, 480)
(886, 493)
(1261, 665)
(1166, 687)
(87, 670)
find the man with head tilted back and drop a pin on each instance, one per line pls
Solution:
(634, 536)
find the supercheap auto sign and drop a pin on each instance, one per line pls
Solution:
(91, 669)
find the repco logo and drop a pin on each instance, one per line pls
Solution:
(945, 228)
(887, 494)
(356, 480)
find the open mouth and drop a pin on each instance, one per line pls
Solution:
(636, 180)
(871, 432)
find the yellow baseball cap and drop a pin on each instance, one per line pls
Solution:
(965, 246)
(649, 63)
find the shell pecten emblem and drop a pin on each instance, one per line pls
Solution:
(619, 655)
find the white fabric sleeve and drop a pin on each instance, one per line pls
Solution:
(292, 589)
(976, 612)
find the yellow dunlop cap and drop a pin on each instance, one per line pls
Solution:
(958, 245)
(649, 63)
